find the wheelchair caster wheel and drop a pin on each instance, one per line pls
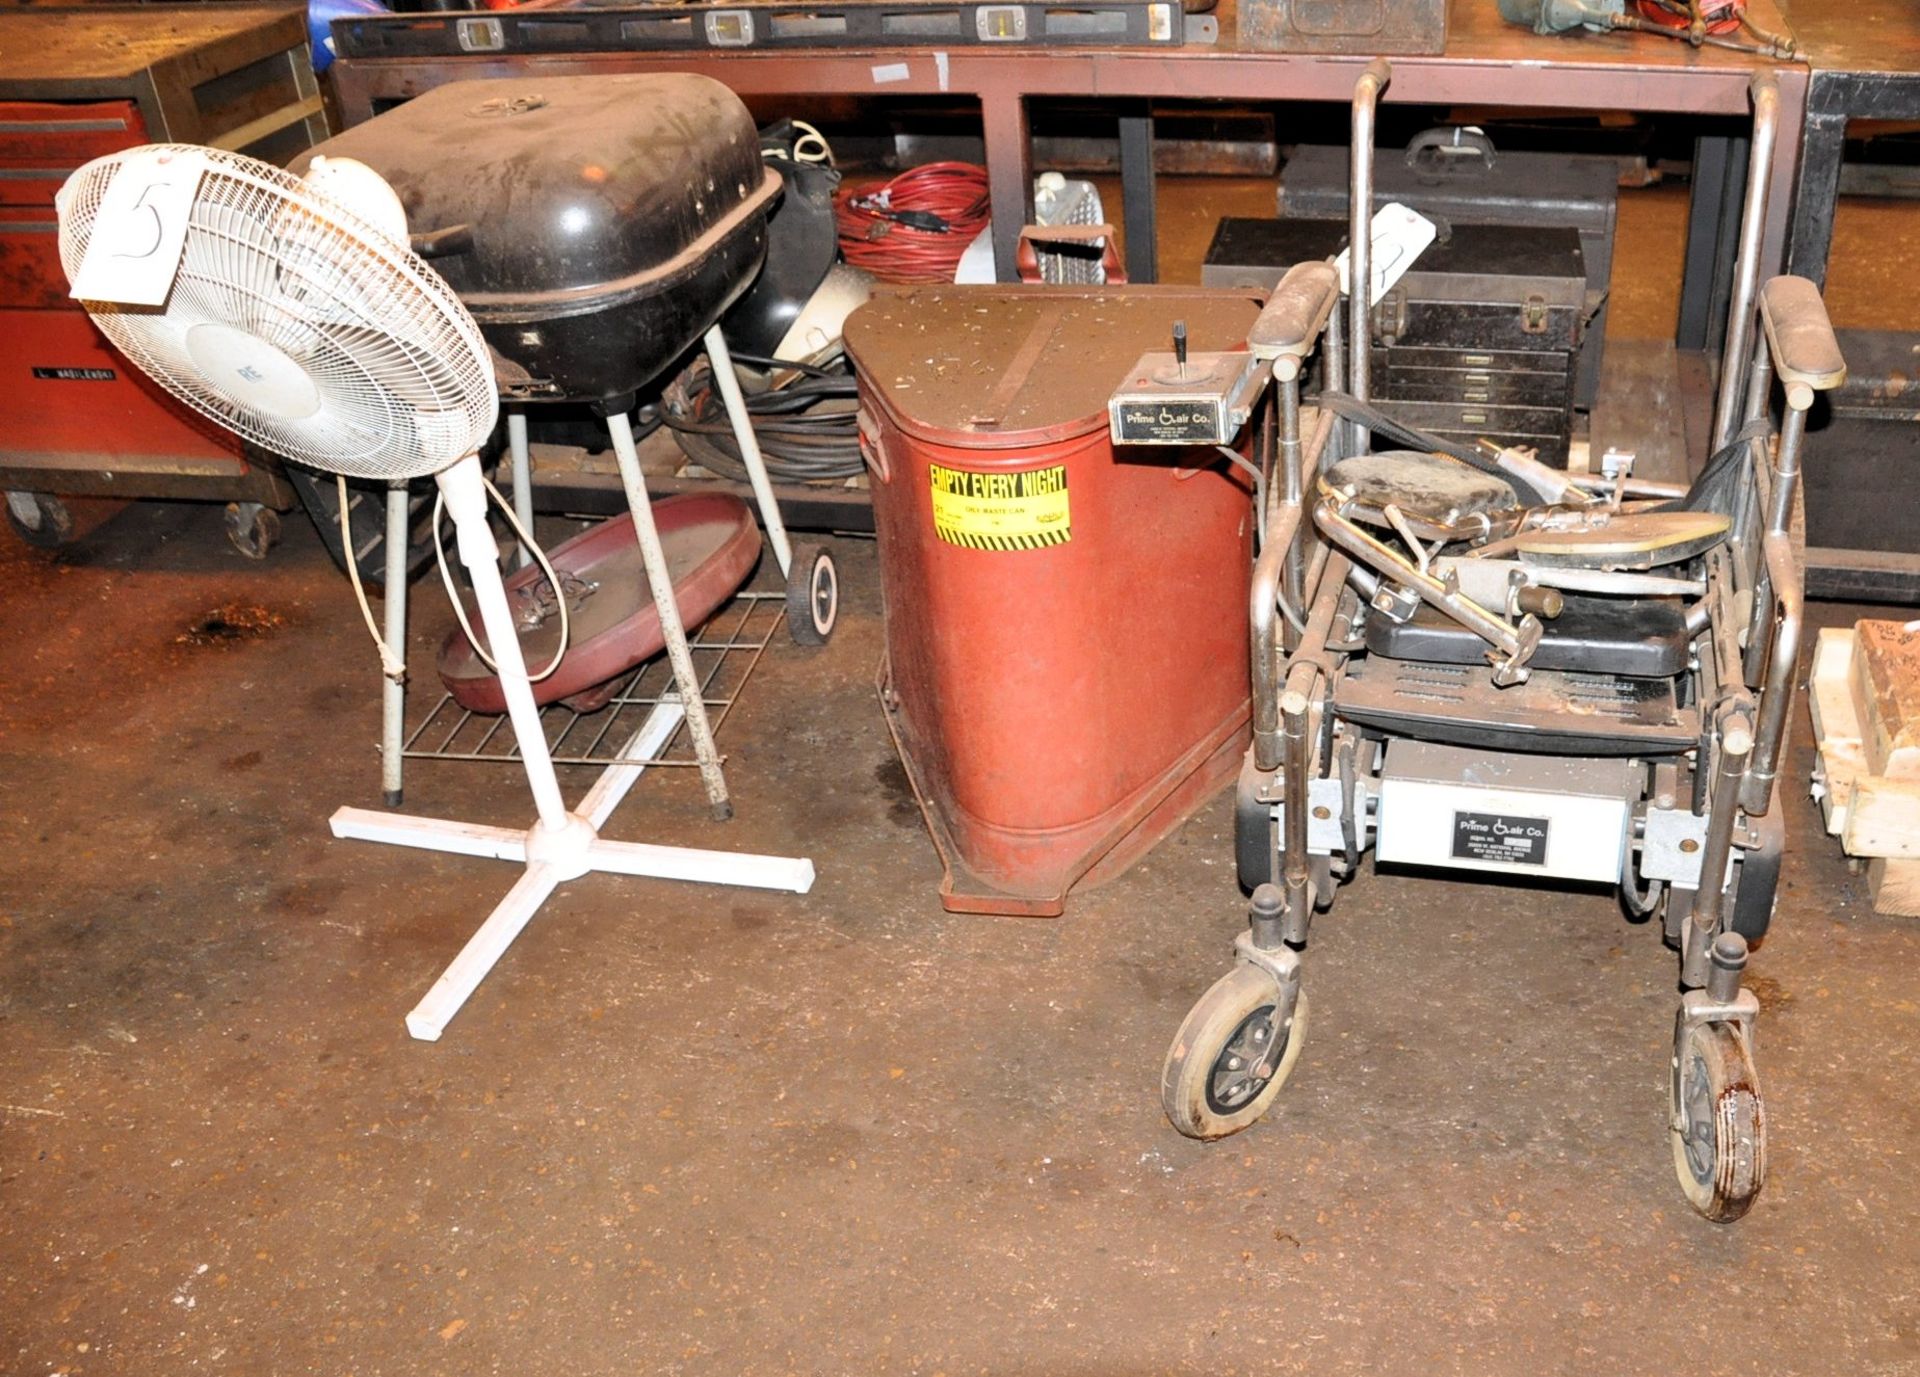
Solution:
(1223, 1070)
(1719, 1125)
(252, 528)
(813, 595)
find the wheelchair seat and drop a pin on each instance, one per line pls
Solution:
(1635, 638)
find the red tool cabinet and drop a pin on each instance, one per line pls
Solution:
(75, 417)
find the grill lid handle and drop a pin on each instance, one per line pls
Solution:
(443, 243)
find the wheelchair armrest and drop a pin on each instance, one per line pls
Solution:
(1295, 313)
(1805, 353)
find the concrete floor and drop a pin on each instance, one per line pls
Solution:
(694, 1131)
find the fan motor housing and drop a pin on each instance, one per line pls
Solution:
(594, 226)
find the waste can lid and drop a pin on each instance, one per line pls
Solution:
(994, 367)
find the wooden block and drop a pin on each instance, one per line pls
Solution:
(1886, 689)
(1836, 725)
(1839, 767)
(1830, 696)
(1895, 886)
(1883, 818)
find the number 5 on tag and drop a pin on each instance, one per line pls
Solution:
(140, 230)
(1399, 236)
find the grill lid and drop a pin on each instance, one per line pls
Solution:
(576, 190)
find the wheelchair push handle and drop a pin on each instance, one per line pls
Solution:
(1806, 356)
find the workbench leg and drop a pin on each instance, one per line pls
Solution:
(1137, 194)
(1822, 148)
(1003, 119)
(1713, 239)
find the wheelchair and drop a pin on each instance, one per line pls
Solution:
(1465, 660)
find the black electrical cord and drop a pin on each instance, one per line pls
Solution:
(807, 427)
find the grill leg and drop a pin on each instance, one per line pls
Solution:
(393, 692)
(728, 382)
(671, 626)
(522, 480)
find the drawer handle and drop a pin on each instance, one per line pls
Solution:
(1478, 394)
(1473, 418)
(1477, 360)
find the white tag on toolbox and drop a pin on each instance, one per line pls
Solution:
(140, 230)
(1399, 236)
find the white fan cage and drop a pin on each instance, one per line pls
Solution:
(401, 376)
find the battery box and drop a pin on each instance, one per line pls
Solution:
(1462, 809)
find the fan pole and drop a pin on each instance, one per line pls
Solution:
(466, 494)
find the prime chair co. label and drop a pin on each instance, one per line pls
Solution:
(1500, 837)
(1001, 511)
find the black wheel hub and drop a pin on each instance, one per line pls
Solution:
(1246, 1063)
(1697, 1107)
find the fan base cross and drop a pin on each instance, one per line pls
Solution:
(564, 844)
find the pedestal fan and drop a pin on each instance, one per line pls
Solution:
(308, 327)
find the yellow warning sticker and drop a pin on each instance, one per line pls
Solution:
(1001, 511)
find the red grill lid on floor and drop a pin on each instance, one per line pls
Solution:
(711, 543)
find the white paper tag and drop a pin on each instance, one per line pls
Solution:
(140, 230)
(1399, 236)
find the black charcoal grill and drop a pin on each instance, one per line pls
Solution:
(595, 226)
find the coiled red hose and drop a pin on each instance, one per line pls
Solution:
(1719, 16)
(954, 194)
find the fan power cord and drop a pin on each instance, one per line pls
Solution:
(810, 147)
(391, 665)
(540, 558)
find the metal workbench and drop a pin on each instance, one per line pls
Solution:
(1488, 63)
(1866, 66)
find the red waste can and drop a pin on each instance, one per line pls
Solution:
(1066, 671)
